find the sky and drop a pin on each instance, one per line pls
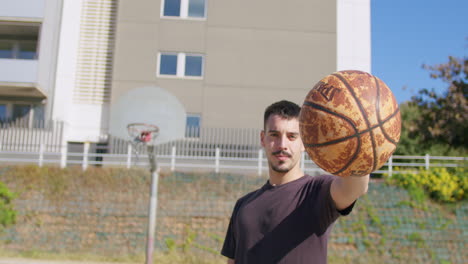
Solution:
(406, 34)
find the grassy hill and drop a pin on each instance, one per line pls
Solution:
(103, 213)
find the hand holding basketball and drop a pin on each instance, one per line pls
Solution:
(350, 123)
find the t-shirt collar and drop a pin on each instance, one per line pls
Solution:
(269, 186)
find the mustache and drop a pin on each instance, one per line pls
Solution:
(281, 152)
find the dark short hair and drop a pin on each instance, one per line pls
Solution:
(285, 109)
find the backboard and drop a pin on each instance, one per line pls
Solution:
(151, 105)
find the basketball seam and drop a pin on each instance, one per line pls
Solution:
(361, 109)
(379, 119)
(356, 132)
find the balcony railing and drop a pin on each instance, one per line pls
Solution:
(33, 9)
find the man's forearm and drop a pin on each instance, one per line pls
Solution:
(345, 190)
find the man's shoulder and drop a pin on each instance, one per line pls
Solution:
(249, 195)
(319, 179)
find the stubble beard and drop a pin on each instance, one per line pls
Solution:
(280, 169)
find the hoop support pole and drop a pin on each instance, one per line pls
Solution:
(153, 205)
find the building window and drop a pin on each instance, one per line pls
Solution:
(38, 112)
(27, 50)
(20, 110)
(18, 49)
(192, 125)
(3, 112)
(25, 112)
(6, 49)
(193, 65)
(180, 65)
(193, 120)
(19, 40)
(168, 65)
(184, 8)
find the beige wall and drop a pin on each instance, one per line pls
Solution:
(256, 52)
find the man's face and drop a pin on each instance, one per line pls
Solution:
(282, 143)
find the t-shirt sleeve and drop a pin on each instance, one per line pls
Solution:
(324, 206)
(229, 246)
(347, 210)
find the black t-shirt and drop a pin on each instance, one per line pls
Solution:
(289, 223)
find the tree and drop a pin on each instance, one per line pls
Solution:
(409, 141)
(439, 122)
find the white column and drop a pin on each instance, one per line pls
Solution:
(427, 161)
(184, 8)
(353, 32)
(217, 160)
(129, 156)
(63, 157)
(390, 166)
(40, 163)
(181, 65)
(173, 158)
(84, 165)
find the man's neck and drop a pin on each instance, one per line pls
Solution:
(278, 178)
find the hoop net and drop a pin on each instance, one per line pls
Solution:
(141, 133)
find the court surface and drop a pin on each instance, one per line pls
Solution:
(42, 261)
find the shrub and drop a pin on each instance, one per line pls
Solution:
(440, 184)
(7, 212)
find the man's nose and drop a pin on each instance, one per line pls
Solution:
(283, 142)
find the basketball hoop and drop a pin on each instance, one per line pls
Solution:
(142, 138)
(142, 133)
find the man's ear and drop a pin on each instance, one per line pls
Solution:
(262, 136)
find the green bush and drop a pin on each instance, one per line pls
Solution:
(7, 212)
(440, 184)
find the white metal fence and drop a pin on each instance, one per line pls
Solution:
(234, 142)
(31, 135)
(216, 149)
(214, 159)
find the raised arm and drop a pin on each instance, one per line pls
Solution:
(345, 190)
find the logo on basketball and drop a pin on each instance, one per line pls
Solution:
(327, 91)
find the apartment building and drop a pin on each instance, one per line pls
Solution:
(225, 61)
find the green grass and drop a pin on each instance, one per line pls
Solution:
(159, 257)
(169, 258)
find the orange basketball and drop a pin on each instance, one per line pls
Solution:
(350, 123)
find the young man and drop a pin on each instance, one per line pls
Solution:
(288, 220)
